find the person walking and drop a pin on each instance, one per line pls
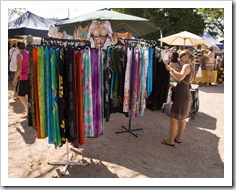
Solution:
(13, 52)
(182, 101)
(198, 62)
(22, 73)
(210, 61)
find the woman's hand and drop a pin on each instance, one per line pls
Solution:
(168, 68)
(14, 82)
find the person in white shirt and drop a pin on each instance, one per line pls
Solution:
(13, 52)
(165, 55)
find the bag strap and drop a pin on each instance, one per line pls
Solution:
(12, 53)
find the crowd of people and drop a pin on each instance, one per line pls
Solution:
(204, 58)
(18, 60)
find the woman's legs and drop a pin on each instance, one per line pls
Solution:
(182, 126)
(24, 101)
(208, 77)
(15, 95)
(23, 95)
(173, 128)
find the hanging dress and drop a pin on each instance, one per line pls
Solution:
(48, 91)
(61, 103)
(160, 86)
(96, 94)
(79, 98)
(126, 103)
(107, 77)
(37, 113)
(71, 129)
(87, 94)
(149, 72)
(41, 92)
(55, 112)
(134, 82)
(144, 81)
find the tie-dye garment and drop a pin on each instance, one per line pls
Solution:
(87, 95)
(96, 94)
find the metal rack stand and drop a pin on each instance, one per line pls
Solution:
(129, 129)
(68, 161)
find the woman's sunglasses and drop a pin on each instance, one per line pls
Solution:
(182, 55)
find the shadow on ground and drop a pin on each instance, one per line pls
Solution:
(209, 121)
(196, 157)
(28, 133)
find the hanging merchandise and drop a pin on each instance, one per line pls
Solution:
(100, 34)
(81, 31)
(128, 72)
(74, 86)
(66, 91)
(118, 35)
(161, 81)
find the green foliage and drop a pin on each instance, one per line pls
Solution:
(170, 20)
(214, 19)
(121, 10)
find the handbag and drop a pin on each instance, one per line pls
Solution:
(199, 73)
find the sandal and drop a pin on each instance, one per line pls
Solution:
(177, 141)
(166, 143)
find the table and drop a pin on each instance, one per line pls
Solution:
(203, 79)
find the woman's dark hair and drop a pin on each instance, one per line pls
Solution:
(21, 45)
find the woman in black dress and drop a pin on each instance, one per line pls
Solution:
(182, 100)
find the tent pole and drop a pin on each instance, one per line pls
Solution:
(161, 36)
(161, 43)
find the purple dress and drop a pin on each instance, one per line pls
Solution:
(96, 92)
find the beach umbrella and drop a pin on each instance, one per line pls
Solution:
(183, 39)
(137, 26)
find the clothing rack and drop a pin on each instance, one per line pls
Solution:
(150, 42)
(139, 41)
(68, 161)
(129, 130)
(50, 39)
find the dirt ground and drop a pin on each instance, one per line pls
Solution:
(200, 155)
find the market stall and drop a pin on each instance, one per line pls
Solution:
(213, 79)
(103, 27)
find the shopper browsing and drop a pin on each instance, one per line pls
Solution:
(181, 104)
